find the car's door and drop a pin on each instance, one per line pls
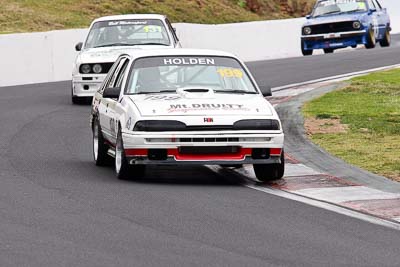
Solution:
(375, 17)
(98, 96)
(383, 18)
(104, 108)
(112, 113)
(109, 117)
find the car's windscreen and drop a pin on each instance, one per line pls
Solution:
(196, 74)
(331, 7)
(127, 32)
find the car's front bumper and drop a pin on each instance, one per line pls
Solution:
(334, 40)
(86, 85)
(173, 161)
(143, 148)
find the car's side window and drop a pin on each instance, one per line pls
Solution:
(113, 79)
(172, 30)
(121, 74)
(371, 4)
(109, 76)
(377, 4)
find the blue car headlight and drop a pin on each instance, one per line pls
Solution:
(357, 25)
(307, 30)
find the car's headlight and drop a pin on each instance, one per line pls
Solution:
(97, 68)
(85, 68)
(257, 125)
(307, 30)
(159, 126)
(356, 25)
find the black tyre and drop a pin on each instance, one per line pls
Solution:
(100, 148)
(305, 52)
(387, 39)
(371, 41)
(123, 170)
(328, 50)
(74, 99)
(270, 172)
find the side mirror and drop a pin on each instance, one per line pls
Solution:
(266, 90)
(372, 10)
(78, 46)
(111, 92)
(308, 16)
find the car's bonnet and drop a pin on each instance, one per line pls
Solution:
(335, 18)
(110, 54)
(219, 104)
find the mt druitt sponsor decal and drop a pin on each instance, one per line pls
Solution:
(204, 106)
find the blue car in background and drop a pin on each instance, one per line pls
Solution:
(335, 24)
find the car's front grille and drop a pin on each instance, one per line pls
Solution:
(346, 26)
(207, 140)
(204, 150)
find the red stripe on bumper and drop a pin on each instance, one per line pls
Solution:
(275, 151)
(228, 156)
(136, 152)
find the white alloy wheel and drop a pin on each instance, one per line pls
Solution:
(95, 142)
(118, 155)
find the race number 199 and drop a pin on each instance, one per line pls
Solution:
(230, 73)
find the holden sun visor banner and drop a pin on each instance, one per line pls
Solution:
(151, 62)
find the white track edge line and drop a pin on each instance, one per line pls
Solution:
(250, 183)
(332, 78)
(327, 206)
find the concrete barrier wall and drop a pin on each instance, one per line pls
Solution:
(250, 41)
(37, 57)
(48, 56)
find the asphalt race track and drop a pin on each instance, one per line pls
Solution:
(59, 209)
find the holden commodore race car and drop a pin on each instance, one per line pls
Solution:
(109, 37)
(335, 24)
(182, 106)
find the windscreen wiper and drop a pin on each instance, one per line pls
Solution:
(154, 44)
(355, 10)
(332, 12)
(156, 92)
(234, 92)
(115, 44)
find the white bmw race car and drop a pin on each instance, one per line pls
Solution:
(109, 37)
(182, 106)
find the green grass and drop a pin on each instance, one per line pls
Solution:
(44, 15)
(370, 106)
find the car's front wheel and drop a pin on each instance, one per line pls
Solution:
(100, 148)
(328, 50)
(74, 99)
(371, 41)
(387, 39)
(304, 51)
(270, 172)
(123, 170)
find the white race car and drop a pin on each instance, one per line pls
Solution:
(109, 37)
(182, 106)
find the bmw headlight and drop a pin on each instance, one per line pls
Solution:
(307, 30)
(356, 25)
(85, 68)
(97, 68)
